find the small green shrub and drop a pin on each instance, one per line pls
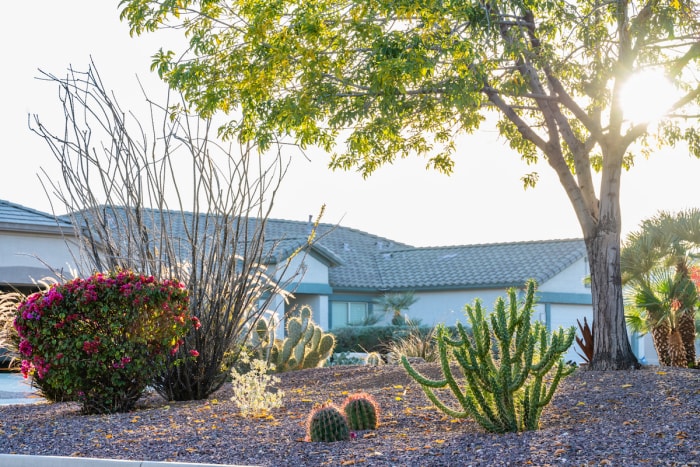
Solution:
(506, 364)
(344, 359)
(101, 340)
(372, 338)
(327, 424)
(250, 389)
(361, 411)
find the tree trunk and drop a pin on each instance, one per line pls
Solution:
(660, 335)
(611, 350)
(686, 327)
(676, 350)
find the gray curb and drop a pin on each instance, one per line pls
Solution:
(16, 460)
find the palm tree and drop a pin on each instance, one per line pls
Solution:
(665, 241)
(656, 304)
(396, 302)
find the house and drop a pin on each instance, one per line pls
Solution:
(443, 279)
(33, 246)
(347, 271)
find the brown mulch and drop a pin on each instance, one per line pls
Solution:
(627, 418)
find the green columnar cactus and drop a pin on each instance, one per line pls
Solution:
(327, 424)
(505, 365)
(361, 411)
(374, 359)
(306, 345)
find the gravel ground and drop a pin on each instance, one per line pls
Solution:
(644, 417)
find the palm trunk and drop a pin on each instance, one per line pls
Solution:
(660, 335)
(676, 350)
(612, 350)
(686, 327)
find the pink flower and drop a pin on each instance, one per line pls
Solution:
(196, 323)
(26, 368)
(25, 348)
(353, 435)
(194, 353)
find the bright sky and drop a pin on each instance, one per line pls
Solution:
(482, 202)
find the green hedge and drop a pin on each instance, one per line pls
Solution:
(370, 338)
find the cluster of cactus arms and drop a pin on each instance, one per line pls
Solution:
(305, 346)
(505, 366)
(327, 424)
(362, 412)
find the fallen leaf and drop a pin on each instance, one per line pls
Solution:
(371, 434)
(581, 403)
(108, 436)
(660, 372)
(559, 452)
(398, 386)
(439, 441)
(398, 398)
(625, 386)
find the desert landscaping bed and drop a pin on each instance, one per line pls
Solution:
(644, 417)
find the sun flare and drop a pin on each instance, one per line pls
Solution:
(647, 96)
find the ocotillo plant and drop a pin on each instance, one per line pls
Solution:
(327, 424)
(505, 365)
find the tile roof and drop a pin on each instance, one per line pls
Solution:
(362, 261)
(15, 217)
(477, 266)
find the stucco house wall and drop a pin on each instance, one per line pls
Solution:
(32, 245)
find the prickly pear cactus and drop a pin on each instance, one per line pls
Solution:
(306, 345)
(327, 424)
(361, 411)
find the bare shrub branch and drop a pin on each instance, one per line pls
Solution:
(167, 199)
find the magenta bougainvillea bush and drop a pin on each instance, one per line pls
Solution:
(101, 340)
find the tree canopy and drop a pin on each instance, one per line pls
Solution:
(373, 80)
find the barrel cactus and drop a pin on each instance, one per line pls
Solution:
(374, 359)
(327, 424)
(361, 411)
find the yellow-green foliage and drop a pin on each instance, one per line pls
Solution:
(250, 390)
(505, 363)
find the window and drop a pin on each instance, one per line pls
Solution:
(348, 314)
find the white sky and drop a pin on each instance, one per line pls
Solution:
(482, 202)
